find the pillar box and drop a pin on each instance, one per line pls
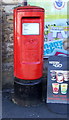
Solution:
(28, 45)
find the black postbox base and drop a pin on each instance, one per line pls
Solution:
(27, 92)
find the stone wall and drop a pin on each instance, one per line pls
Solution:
(7, 47)
(0, 46)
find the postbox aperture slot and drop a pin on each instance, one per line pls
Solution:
(31, 26)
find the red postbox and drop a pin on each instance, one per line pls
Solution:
(28, 54)
(28, 42)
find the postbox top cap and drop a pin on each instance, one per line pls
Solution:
(33, 8)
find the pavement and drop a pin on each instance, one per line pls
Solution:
(11, 110)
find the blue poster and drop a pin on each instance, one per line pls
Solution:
(58, 80)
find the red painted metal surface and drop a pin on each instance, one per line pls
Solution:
(28, 42)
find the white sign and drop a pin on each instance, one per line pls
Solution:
(30, 29)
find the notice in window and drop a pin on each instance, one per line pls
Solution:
(30, 29)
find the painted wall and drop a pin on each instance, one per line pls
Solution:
(56, 31)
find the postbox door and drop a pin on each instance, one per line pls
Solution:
(30, 40)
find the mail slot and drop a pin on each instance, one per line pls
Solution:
(28, 42)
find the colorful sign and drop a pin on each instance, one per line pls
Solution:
(56, 30)
(58, 80)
